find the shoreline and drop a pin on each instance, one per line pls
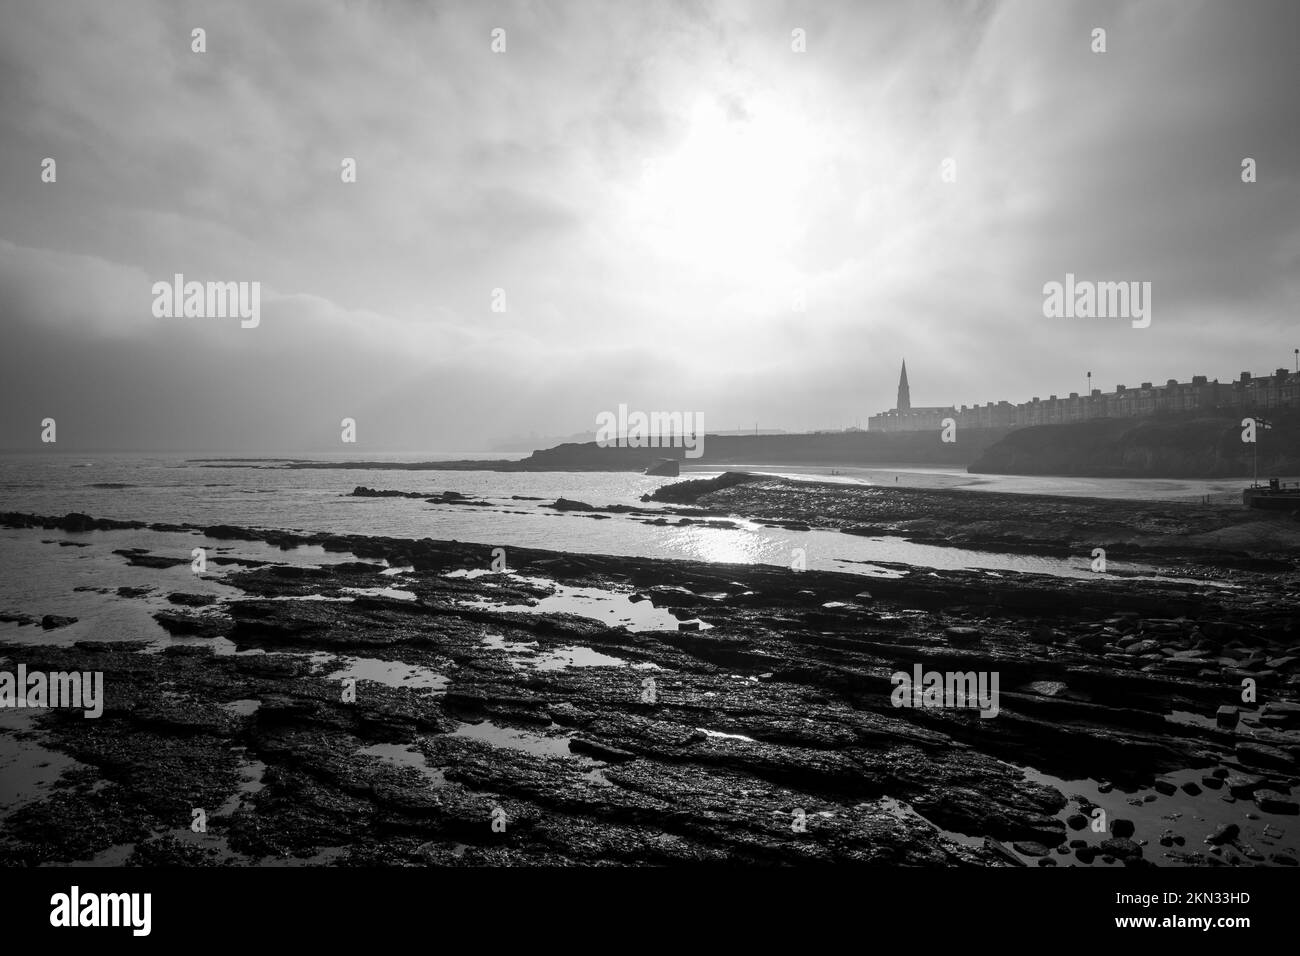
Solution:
(772, 694)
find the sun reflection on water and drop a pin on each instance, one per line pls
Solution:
(726, 546)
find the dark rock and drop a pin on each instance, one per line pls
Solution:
(191, 600)
(1243, 784)
(144, 560)
(1271, 801)
(1224, 833)
(1001, 850)
(1121, 848)
(570, 716)
(1286, 713)
(594, 748)
(1044, 688)
(1261, 755)
(174, 622)
(1143, 647)
(1092, 642)
(567, 504)
(1030, 848)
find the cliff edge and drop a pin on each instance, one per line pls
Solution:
(1189, 445)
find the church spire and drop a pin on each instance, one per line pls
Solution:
(904, 393)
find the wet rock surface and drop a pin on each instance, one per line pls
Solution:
(411, 706)
(1216, 539)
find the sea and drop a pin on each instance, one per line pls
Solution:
(182, 489)
(78, 574)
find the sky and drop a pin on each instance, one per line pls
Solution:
(678, 209)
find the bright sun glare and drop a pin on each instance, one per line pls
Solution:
(730, 196)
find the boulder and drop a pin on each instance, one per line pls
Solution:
(1262, 755)
(567, 504)
(1225, 833)
(1271, 801)
(1121, 848)
(1030, 848)
(594, 748)
(191, 600)
(962, 635)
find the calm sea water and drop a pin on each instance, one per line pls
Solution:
(79, 577)
(173, 489)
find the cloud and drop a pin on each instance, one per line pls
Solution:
(532, 171)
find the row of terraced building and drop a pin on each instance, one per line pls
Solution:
(1249, 392)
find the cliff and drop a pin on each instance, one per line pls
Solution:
(1186, 445)
(850, 449)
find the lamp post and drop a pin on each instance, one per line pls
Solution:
(1087, 400)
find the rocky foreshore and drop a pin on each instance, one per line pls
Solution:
(1209, 536)
(748, 713)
